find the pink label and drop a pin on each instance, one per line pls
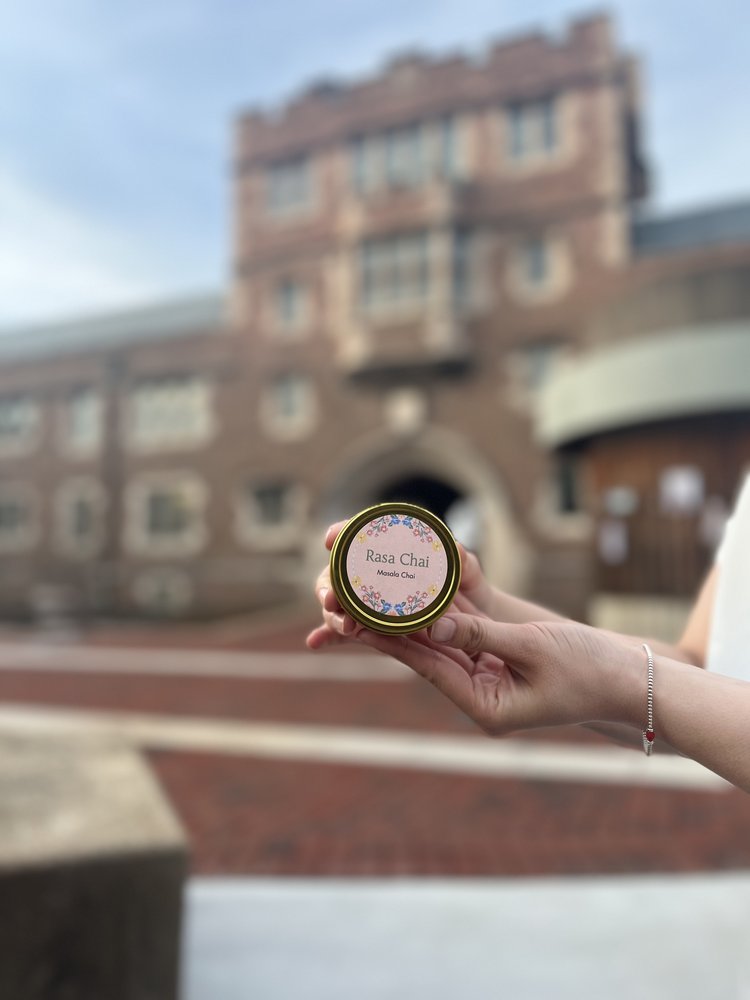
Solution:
(397, 565)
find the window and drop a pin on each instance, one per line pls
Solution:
(13, 515)
(165, 514)
(18, 517)
(83, 422)
(540, 269)
(290, 395)
(291, 304)
(289, 187)
(463, 271)
(82, 518)
(394, 272)
(79, 509)
(367, 170)
(270, 504)
(448, 159)
(532, 129)
(568, 484)
(168, 412)
(405, 157)
(19, 421)
(535, 268)
(270, 514)
(288, 405)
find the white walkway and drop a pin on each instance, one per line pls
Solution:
(69, 658)
(542, 760)
(665, 938)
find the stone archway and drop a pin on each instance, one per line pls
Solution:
(443, 471)
(456, 508)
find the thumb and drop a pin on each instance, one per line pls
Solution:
(476, 635)
(331, 533)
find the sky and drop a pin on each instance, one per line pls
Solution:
(116, 120)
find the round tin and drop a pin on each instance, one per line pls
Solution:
(395, 567)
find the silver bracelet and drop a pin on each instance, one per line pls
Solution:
(648, 732)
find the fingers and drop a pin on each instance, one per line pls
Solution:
(324, 593)
(471, 570)
(340, 625)
(325, 635)
(464, 604)
(444, 672)
(322, 636)
(332, 532)
(334, 620)
(474, 635)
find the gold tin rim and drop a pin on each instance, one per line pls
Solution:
(358, 611)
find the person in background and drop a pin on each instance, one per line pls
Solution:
(510, 664)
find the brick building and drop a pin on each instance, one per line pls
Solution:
(655, 407)
(411, 255)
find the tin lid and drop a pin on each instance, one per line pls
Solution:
(395, 567)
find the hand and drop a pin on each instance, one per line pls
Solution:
(475, 596)
(510, 677)
(337, 626)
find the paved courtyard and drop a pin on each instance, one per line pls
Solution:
(281, 762)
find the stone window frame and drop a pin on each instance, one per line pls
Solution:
(533, 128)
(29, 534)
(394, 273)
(253, 531)
(67, 493)
(68, 444)
(468, 270)
(541, 156)
(289, 426)
(291, 327)
(138, 540)
(439, 155)
(135, 438)
(30, 436)
(558, 276)
(279, 178)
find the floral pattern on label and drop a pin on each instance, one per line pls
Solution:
(380, 525)
(411, 603)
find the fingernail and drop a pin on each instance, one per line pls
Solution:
(342, 624)
(322, 594)
(443, 630)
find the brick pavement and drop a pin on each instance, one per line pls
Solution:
(282, 630)
(412, 705)
(247, 815)
(281, 818)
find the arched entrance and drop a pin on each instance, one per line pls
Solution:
(453, 506)
(435, 494)
(442, 471)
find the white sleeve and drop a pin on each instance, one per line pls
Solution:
(741, 509)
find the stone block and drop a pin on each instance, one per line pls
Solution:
(92, 869)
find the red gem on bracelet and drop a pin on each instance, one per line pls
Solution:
(650, 735)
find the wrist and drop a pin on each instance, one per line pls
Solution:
(629, 690)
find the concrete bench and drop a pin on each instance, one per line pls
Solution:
(92, 869)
